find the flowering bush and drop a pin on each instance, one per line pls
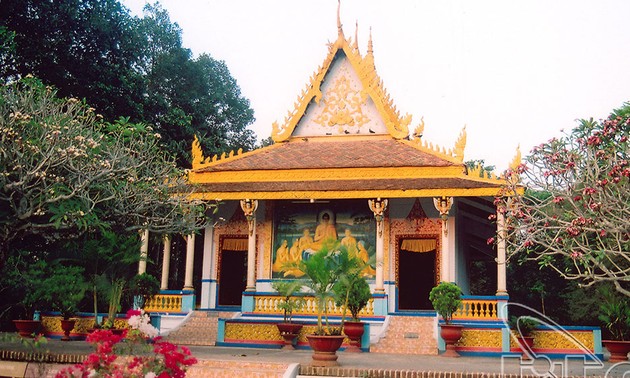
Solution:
(574, 216)
(167, 360)
(140, 325)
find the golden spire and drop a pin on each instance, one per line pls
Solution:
(370, 46)
(339, 28)
(356, 36)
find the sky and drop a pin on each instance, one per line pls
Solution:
(514, 72)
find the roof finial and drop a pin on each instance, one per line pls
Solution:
(356, 36)
(370, 47)
(339, 29)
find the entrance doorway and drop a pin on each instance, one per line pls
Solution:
(416, 273)
(232, 272)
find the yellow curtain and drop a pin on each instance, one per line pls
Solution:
(235, 244)
(418, 245)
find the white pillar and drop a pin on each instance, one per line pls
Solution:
(443, 205)
(190, 262)
(166, 262)
(249, 209)
(144, 251)
(445, 255)
(378, 207)
(207, 288)
(501, 266)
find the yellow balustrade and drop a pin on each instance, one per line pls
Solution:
(164, 303)
(268, 304)
(477, 309)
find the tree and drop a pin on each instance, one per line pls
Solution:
(126, 66)
(574, 215)
(65, 172)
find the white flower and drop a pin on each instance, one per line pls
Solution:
(150, 375)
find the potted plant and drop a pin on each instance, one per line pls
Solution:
(142, 288)
(615, 313)
(446, 298)
(321, 271)
(24, 274)
(522, 328)
(352, 292)
(64, 289)
(289, 303)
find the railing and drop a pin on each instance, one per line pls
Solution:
(164, 303)
(477, 309)
(268, 304)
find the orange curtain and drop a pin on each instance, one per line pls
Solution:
(235, 244)
(419, 245)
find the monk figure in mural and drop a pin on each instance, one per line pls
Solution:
(282, 257)
(306, 240)
(350, 242)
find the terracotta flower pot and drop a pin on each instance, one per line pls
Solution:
(325, 349)
(289, 332)
(27, 328)
(354, 331)
(618, 350)
(525, 343)
(67, 326)
(451, 333)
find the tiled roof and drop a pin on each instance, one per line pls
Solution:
(307, 154)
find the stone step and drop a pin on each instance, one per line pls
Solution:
(408, 335)
(199, 329)
(231, 369)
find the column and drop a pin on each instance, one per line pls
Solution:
(501, 266)
(443, 206)
(190, 261)
(249, 209)
(378, 207)
(144, 251)
(166, 262)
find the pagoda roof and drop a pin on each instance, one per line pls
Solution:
(344, 139)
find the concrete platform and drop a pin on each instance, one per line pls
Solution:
(297, 363)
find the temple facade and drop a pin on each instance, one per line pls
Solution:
(346, 164)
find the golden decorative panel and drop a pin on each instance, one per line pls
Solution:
(557, 340)
(342, 105)
(245, 331)
(481, 338)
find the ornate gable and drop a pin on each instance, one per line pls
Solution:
(345, 96)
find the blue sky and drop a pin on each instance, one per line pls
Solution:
(514, 72)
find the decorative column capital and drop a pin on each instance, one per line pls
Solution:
(378, 207)
(443, 206)
(249, 207)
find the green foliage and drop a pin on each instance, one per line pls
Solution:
(65, 172)
(126, 66)
(64, 288)
(353, 294)
(289, 303)
(446, 298)
(143, 286)
(523, 324)
(615, 313)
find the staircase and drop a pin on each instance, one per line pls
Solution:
(408, 335)
(199, 329)
(231, 369)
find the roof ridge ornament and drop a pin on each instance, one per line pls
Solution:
(339, 26)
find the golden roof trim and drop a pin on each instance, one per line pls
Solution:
(342, 194)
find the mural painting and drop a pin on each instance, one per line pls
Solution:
(301, 228)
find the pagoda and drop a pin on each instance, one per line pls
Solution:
(345, 156)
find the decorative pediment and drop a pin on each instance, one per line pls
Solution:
(345, 96)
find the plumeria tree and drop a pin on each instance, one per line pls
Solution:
(574, 216)
(64, 171)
